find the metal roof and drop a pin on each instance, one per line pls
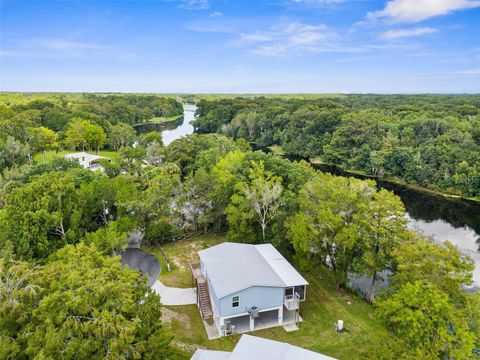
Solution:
(256, 348)
(232, 267)
(88, 157)
(281, 266)
(210, 355)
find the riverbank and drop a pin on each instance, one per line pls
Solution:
(163, 119)
(398, 182)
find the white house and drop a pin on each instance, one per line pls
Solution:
(88, 161)
(245, 287)
(252, 347)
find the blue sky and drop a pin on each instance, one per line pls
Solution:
(234, 46)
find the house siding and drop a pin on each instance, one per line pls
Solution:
(260, 296)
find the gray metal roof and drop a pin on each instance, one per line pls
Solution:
(232, 267)
(201, 354)
(256, 348)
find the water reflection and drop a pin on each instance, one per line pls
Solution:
(437, 216)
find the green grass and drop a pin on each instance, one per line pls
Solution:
(180, 255)
(161, 119)
(324, 305)
(50, 155)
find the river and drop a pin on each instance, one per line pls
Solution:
(439, 217)
(185, 128)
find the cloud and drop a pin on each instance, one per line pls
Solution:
(411, 11)
(60, 44)
(319, 2)
(216, 14)
(60, 48)
(285, 39)
(402, 33)
(195, 4)
(474, 72)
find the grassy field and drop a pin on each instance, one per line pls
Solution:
(159, 119)
(323, 307)
(50, 155)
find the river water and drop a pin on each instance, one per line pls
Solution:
(185, 127)
(437, 216)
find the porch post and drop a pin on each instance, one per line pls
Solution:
(280, 315)
(252, 323)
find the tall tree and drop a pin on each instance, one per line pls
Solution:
(43, 215)
(43, 139)
(381, 229)
(423, 316)
(79, 305)
(122, 135)
(325, 228)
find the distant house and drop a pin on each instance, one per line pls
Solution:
(88, 161)
(246, 287)
(252, 347)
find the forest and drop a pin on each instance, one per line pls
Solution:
(64, 293)
(428, 140)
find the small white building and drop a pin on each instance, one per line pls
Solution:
(252, 347)
(88, 161)
(245, 287)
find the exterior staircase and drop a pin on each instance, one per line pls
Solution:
(204, 298)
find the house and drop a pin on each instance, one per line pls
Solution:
(88, 161)
(252, 347)
(243, 287)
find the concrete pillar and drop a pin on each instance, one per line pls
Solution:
(252, 323)
(280, 316)
(221, 322)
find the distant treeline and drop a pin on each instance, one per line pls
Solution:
(429, 140)
(34, 123)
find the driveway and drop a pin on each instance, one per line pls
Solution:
(175, 296)
(140, 260)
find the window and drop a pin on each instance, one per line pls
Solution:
(235, 301)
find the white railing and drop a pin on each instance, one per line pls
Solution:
(292, 302)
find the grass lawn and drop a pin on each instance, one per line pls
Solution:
(324, 305)
(50, 155)
(161, 119)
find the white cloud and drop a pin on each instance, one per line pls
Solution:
(287, 38)
(418, 10)
(319, 2)
(402, 33)
(216, 14)
(61, 48)
(60, 44)
(474, 72)
(195, 4)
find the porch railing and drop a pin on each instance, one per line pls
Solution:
(292, 302)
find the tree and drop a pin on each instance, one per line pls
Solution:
(325, 228)
(43, 215)
(442, 265)
(82, 133)
(43, 139)
(424, 318)
(122, 135)
(261, 195)
(152, 137)
(381, 228)
(110, 239)
(79, 305)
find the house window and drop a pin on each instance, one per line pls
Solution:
(235, 301)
